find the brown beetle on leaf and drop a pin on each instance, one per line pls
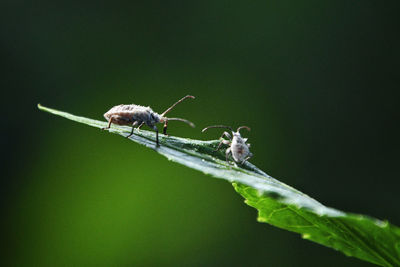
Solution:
(136, 115)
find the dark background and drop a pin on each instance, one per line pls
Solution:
(317, 81)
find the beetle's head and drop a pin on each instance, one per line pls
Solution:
(155, 118)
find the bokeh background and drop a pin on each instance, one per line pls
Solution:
(317, 81)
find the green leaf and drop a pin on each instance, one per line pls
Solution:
(277, 203)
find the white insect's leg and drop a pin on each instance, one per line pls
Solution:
(224, 141)
(227, 135)
(246, 159)
(133, 126)
(227, 152)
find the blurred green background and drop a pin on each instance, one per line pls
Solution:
(317, 81)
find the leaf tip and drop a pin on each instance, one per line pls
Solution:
(306, 236)
(261, 219)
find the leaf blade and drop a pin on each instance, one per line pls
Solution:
(277, 203)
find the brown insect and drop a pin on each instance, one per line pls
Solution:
(136, 115)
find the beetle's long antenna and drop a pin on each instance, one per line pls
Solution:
(179, 101)
(216, 126)
(241, 127)
(179, 119)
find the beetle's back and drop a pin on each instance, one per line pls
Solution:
(126, 114)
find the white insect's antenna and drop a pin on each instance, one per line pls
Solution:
(179, 101)
(179, 119)
(217, 126)
(241, 127)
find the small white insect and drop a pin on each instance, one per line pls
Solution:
(237, 145)
(136, 115)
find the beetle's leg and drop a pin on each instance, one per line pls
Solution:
(109, 123)
(140, 123)
(165, 127)
(133, 127)
(140, 126)
(156, 129)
